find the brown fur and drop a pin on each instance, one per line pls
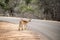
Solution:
(23, 24)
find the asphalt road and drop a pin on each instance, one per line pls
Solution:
(51, 29)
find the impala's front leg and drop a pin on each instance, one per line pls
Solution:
(18, 28)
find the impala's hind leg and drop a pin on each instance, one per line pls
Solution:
(19, 29)
(26, 27)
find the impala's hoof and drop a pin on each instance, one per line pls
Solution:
(18, 29)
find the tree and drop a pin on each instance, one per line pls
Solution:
(28, 1)
(8, 9)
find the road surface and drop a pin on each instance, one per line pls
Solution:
(50, 29)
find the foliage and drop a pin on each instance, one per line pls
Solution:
(45, 9)
(4, 4)
(25, 8)
(28, 1)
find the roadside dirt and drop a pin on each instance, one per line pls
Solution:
(9, 31)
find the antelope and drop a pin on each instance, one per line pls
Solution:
(23, 24)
